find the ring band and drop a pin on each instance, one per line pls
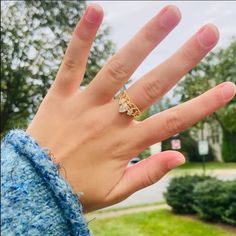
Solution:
(126, 106)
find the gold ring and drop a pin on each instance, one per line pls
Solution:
(126, 106)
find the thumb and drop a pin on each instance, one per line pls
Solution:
(145, 173)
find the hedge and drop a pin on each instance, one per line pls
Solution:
(229, 147)
(179, 193)
(210, 198)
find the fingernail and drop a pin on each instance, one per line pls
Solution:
(92, 13)
(228, 91)
(170, 16)
(208, 36)
(177, 161)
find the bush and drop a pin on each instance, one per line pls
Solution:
(229, 215)
(210, 198)
(229, 147)
(179, 193)
(215, 200)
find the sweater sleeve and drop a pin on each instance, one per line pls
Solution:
(35, 199)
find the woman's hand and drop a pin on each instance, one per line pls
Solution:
(86, 133)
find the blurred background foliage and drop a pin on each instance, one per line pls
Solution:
(217, 67)
(189, 147)
(35, 35)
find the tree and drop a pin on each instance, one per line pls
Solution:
(35, 35)
(216, 68)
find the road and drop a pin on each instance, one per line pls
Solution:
(155, 192)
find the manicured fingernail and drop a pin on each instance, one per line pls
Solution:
(208, 35)
(92, 13)
(176, 161)
(228, 91)
(170, 16)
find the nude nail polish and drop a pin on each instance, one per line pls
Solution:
(92, 13)
(228, 91)
(208, 36)
(170, 16)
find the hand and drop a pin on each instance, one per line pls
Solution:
(91, 140)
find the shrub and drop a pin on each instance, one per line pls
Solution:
(179, 193)
(210, 199)
(229, 215)
(215, 200)
(229, 147)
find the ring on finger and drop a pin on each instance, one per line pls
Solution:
(126, 106)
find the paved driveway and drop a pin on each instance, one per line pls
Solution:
(155, 192)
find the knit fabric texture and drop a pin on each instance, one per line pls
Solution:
(35, 198)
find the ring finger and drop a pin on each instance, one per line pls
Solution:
(158, 81)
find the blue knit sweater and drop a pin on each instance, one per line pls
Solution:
(35, 199)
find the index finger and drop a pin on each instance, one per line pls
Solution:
(73, 66)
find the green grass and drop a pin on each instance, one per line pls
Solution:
(155, 223)
(128, 207)
(196, 168)
(209, 165)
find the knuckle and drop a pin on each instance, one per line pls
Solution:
(150, 176)
(150, 36)
(152, 89)
(70, 64)
(84, 35)
(117, 71)
(148, 179)
(189, 55)
(174, 123)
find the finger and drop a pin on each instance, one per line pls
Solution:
(157, 82)
(73, 65)
(176, 119)
(121, 66)
(145, 173)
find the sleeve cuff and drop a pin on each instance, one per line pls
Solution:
(48, 171)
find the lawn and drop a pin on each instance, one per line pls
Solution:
(209, 165)
(155, 223)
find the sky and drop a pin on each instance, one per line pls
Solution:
(125, 18)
